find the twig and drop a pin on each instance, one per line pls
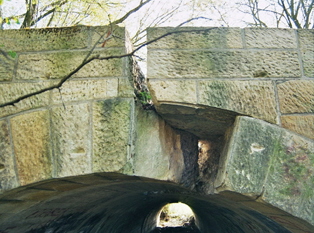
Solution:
(97, 57)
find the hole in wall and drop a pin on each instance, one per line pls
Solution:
(176, 215)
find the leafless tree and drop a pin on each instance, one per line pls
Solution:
(287, 13)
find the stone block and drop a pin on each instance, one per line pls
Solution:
(30, 133)
(58, 65)
(301, 124)
(183, 91)
(270, 38)
(11, 91)
(273, 163)
(8, 175)
(289, 184)
(308, 61)
(253, 98)
(70, 133)
(126, 89)
(111, 134)
(296, 96)
(215, 64)
(45, 39)
(7, 64)
(78, 90)
(157, 148)
(306, 39)
(195, 38)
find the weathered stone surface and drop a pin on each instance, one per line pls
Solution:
(302, 124)
(111, 135)
(6, 67)
(306, 38)
(203, 121)
(30, 133)
(71, 132)
(113, 35)
(270, 38)
(8, 176)
(214, 64)
(158, 151)
(11, 91)
(253, 98)
(78, 90)
(296, 96)
(308, 61)
(57, 65)
(45, 39)
(269, 161)
(183, 91)
(289, 184)
(126, 89)
(195, 38)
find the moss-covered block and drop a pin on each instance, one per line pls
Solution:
(112, 128)
(8, 175)
(225, 63)
(271, 163)
(253, 98)
(195, 38)
(30, 133)
(58, 65)
(45, 39)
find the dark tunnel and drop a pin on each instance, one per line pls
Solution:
(116, 203)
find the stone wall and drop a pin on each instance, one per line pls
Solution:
(242, 91)
(91, 124)
(263, 73)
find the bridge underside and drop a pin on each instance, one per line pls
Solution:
(110, 202)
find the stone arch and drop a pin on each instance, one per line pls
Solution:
(111, 202)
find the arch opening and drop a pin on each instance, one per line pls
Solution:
(176, 215)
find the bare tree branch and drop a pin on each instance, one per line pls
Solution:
(88, 59)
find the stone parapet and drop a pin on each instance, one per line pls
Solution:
(259, 72)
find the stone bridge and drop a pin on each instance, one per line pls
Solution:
(231, 134)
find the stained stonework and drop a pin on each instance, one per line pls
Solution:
(71, 131)
(268, 162)
(111, 134)
(253, 98)
(11, 91)
(8, 174)
(196, 38)
(30, 133)
(222, 64)
(158, 151)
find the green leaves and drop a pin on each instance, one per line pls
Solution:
(12, 54)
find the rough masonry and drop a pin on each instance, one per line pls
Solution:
(248, 94)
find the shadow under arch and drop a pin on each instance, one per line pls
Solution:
(116, 203)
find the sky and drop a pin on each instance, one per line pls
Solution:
(235, 19)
